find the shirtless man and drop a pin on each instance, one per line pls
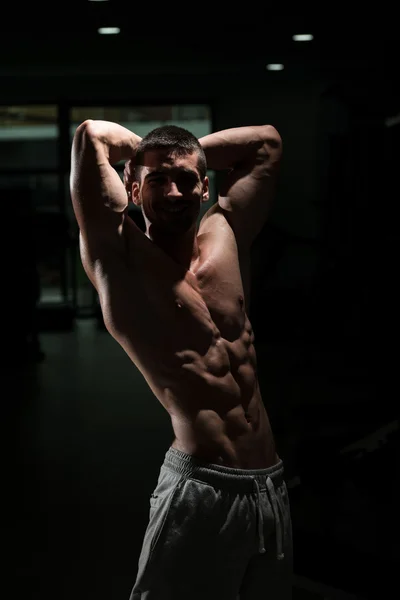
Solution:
(175, 299)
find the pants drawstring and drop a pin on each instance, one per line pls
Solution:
(260, 521)
(270, 489)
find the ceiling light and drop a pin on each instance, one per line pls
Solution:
(108, 30)
(303, 37)
(276, 67)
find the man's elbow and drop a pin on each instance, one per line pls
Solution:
(84, 139)
(270, 136)
(271, 150)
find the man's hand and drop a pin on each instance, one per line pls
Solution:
(129, 176)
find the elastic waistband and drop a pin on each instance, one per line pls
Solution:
(219, 476)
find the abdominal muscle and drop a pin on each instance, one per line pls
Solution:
(213, 399)
(232, 441)
(202, 368)
(212, 420)
(212, 396)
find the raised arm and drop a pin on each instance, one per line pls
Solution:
(98, 195)
(251, 156)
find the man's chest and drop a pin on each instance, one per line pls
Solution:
(151, 285)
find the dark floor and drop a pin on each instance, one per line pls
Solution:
(91, 438)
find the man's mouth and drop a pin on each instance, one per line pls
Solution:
(174, 209)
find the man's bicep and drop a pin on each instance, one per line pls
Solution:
(98, 210)
(98, 195)
(247, 194)
(247, 201)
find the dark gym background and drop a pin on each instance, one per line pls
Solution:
(85, 437)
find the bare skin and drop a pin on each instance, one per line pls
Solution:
(175, 299)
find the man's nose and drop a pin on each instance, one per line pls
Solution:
(173, 190)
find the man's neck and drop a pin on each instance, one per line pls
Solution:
(183, 250)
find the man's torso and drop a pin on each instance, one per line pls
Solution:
(189, 335)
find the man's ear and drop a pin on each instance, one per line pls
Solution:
(135, 193)
(206, 189)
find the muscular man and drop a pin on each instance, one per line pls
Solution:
(175, 299)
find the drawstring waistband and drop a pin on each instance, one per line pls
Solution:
(242, 480)
(270, 489)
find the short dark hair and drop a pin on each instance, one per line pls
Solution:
(170, 137)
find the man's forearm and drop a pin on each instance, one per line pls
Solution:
(227, 148)
(117, 142)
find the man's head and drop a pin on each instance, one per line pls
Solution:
(169, 172)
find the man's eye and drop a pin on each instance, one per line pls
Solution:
(188, 180)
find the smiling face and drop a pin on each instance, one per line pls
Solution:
(170, 191)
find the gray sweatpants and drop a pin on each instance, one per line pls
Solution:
(216, 533)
